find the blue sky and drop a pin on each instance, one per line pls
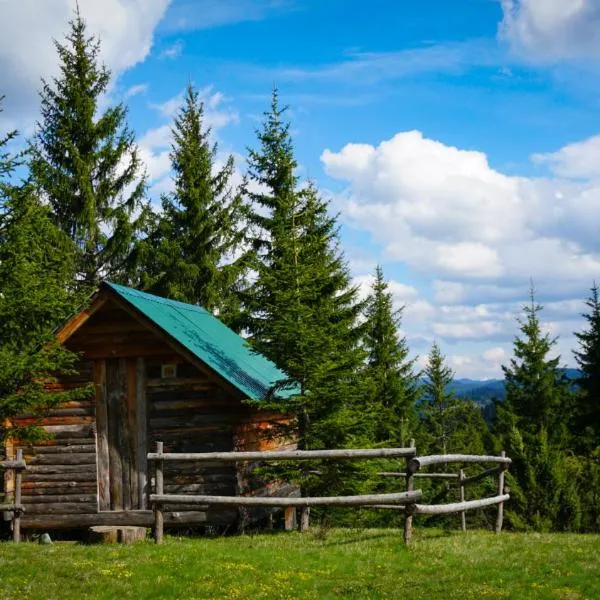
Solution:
(456, 139)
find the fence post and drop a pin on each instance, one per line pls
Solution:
(463, 514)
(159, 489)
(18, 500)
(289, 517)
(409, 509)
(500, 515)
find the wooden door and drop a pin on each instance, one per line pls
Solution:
(121, 433)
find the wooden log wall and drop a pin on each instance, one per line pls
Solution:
(61, 474)
(190, 413)
(260, 431)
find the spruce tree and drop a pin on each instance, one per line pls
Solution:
(587, 415)
(36, 294)
(302, 310)
(197, 253)
(392, 383)
(536, 391)
(531, 425)
(86, 163)
(439, 401)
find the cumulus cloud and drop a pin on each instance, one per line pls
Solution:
(448, 214)
(27, 28)
(552, 30)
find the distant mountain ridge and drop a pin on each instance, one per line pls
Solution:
(483, 391)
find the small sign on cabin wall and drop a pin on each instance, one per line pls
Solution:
(168, 370)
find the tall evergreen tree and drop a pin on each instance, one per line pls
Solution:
(36, 270)
(302, 309)
(536, 391)
(196, 254)
(587, 417)
(531, 425)
(440, 402)
(393, 384)
(85, 163)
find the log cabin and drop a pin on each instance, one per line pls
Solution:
(162, 371)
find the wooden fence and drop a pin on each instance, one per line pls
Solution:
(14, 508)
(406, 500)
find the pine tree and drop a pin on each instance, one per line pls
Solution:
(536, 391)
(36, 280)
(86, 164)
(393, 384)
(531, 425)
(302, 310)
(439, 403)
(196, 254)
(587, 417)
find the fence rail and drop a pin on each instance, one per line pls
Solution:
(408, 501)
(15, 508)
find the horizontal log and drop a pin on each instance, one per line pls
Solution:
(480, 476)
(364, 500)
(11, 507)
(63, 448)
(62, 477)
(78, 468)
(423, 475)
(69, 458)
(135, 518)
(286, 455)
(441, 459)
(17, 465)
(63, 487)
(62, 508)
(70, 431)
(55, 498)
(447, 509)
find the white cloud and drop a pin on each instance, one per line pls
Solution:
(27, 28)
(187, 15)
(172, 51)
(448, 214)
(577, 160)
(552, 30)
(494, 355)
(135, 90)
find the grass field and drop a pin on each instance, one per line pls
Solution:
(341, 564)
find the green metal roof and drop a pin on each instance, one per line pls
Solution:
(211, 341)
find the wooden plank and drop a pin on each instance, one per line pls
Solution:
(463, 514)
(142, 433)
(35, 478)
(441, 459)
(82, 458)
(102, 449)
(55, 498)
(61, 508)
(127, 441)
(116, 380)
(419, 475)
(16, 465)
(363, 500)
(139, 518)
(447, 509)
(63, 469)
(287, 455)
(89, 446)
(480, 476)
(158, 514)
(17, 514)
(67, 330)
(500, 514)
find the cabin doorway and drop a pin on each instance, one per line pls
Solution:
(121, 433)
